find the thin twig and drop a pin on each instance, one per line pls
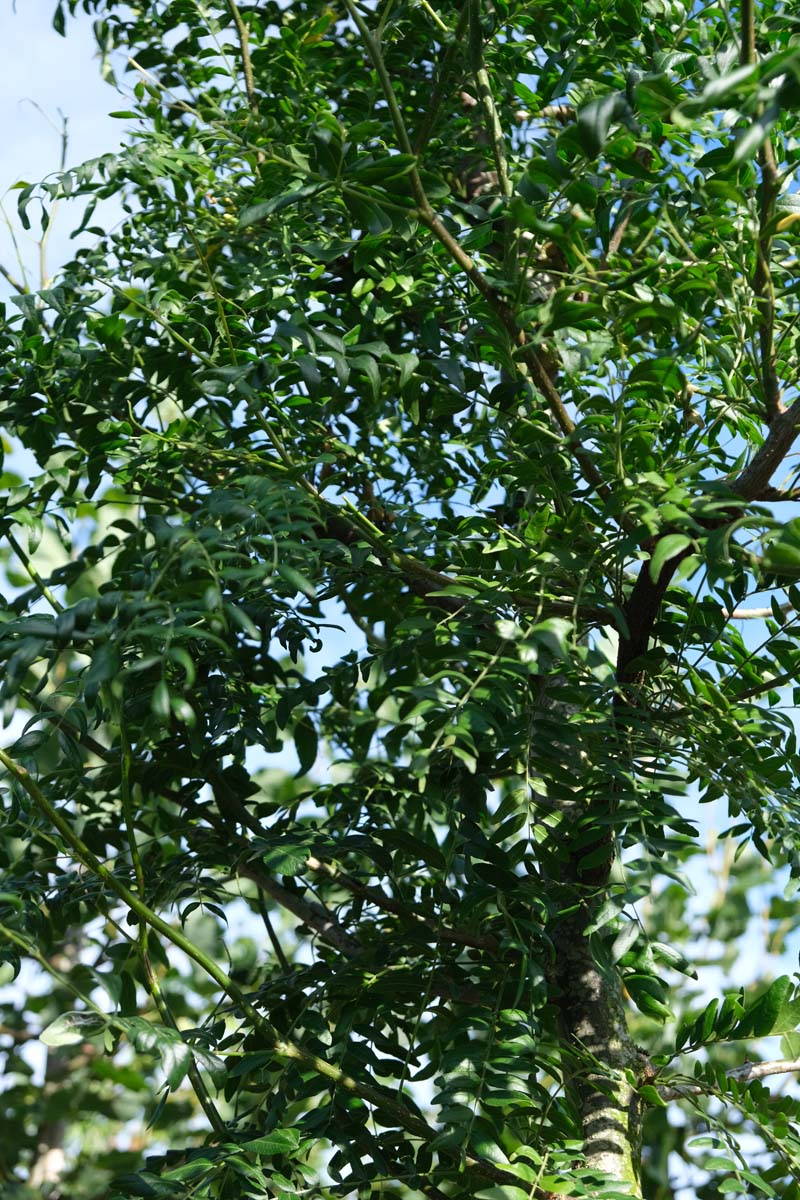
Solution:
(743, 1074)
(33, 574)
(755, 614)
(314, 915)
(15, 283)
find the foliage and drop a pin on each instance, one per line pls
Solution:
(383, 493)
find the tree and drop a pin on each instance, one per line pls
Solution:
(402, 480)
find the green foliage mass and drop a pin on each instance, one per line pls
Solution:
(384, 486)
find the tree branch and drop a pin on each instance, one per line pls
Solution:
(434, 223)
(754, 614)
(244, 46)
(484, 87)
(444, 933)
(743, 1074)
(762, 280)
(314, 915)
(751, 483)
(15, 283)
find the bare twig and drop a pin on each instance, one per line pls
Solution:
(755, 614)
(743, 1074)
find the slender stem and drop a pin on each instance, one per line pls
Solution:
(33, 574)
(496, 135)
(271, 934)
(43, 278)
(763, 287)
(16, 939)
(434, 16)
(244, 46)
(449, 59)
(15, 283)
(62, 722)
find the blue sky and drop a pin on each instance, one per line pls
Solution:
(41, 74)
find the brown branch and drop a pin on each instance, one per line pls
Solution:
(747, 47)
(62, 723)
(388, 904)
(751, 483)
(767, 685)
(314, 915)
(776, 496)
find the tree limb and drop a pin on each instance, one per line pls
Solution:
(743, 1074)
(754, 479)
(244, 46)
(444, 933)
(763, 288)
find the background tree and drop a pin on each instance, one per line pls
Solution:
(394, 478)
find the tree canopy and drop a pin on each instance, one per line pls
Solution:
(401, 586)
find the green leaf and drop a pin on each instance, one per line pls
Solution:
(306, 745)
(279, 1141)
(73, 1027)
(595, 120)
(667, 548)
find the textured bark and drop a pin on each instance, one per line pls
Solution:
(605, 1058)
(602, 1064)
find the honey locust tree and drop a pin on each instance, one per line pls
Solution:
(401, 586)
